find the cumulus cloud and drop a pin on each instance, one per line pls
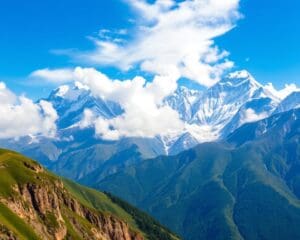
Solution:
(54, 75)
(21, 117)
(144, 115)
(88, 119)
(282, 93)
(171, 35)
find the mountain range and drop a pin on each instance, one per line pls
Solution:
(211, 115)
(244, 187)
(233, 173)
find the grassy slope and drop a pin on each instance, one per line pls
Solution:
(14, 171)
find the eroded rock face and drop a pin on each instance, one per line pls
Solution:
(49, 208)
(38, 205)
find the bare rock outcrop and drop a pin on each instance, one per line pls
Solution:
(49, 208)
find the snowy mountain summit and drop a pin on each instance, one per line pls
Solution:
(70, 102)
(208, 115)
(219, 110)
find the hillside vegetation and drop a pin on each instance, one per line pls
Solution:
(36, 204)
(245, 188)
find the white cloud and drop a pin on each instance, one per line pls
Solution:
(251, 116)
(282, 93)
(144, 115)
(54, 75)
(21, 117)
(48, 117)
(88, 119)
(172, 35)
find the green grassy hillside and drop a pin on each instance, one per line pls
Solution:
(36, 204)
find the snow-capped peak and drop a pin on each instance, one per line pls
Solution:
(69, 92)
(240, 77)
(191, 95)
(79, 85)
(182, 101)
(62, 90)
(240, 74)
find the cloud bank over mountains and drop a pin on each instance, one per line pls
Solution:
(144, 114)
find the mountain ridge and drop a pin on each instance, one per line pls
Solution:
(244, 188)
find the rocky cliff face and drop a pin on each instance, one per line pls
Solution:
(49, 208)
(35, 204)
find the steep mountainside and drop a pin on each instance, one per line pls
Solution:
(183, 101)
(35, 204)
(248, 188)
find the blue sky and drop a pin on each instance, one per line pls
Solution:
(265, 41)
(269, 37)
